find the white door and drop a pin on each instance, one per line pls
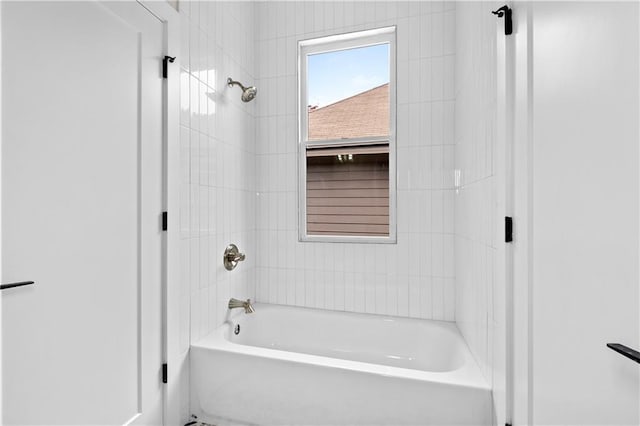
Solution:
(585, 238)
(577, 231)
(81, 208)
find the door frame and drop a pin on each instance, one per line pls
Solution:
(513, 167)
(520, 189)
(1, 132)
(170, 17)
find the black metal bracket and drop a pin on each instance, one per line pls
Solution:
(164, 373)
(508, 229)
(193, 422)
(505, 12)
(165, 61)
(12, 285)
(165, 221)
(625, 351)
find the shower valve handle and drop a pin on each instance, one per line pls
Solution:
(232, 256)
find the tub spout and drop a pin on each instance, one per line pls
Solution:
(245, 304)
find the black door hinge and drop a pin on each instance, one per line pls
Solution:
(165, 61)
(505, 12)
(164, 373)
(165, 221)
(508, 229)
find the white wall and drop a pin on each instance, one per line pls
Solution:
(480, 301)
(414, 277)
(585, 186)
(217, 205)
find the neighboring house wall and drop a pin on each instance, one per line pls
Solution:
(348, 197)
(348, 187)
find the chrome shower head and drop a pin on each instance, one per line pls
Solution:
(248, 93)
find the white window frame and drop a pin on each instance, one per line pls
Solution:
(334, 43)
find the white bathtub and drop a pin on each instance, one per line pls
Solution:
(298, 366)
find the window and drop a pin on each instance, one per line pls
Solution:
(347, 137)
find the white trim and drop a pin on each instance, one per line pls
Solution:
(171, 175)
(348, 239)
(325, 143)
(386, 35)
(520, 344)
(356, 38)
(348, 149)
(1, 142)
(132, 419)
(503, 192)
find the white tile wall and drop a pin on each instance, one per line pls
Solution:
(239, 167)
(217, 157)
(480, 302)
(416, 276)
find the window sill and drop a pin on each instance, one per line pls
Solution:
(347, 239)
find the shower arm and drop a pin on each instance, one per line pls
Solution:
(231, 83)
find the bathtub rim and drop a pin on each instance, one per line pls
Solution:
(468, 375)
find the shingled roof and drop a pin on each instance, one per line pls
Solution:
(362, 115)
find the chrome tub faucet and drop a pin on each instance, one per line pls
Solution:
(245, 304)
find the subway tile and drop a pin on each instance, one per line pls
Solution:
(359, 292)
(426, 301)
(369, 293)
(185, 106)
(275, 132)
(402, 286)
(319, 289)
(327, 279)
(437, 78)
(309, 281)
(349, 291)
(425, 82)
(391, 296)
(414, 296)
(449, 32)
(437, 34)
(438, 298)
(448, 76)
(437, 253)
(338, 290)
(413, 35)
(380, 298)
(426, 266)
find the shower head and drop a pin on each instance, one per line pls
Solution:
(248, 93)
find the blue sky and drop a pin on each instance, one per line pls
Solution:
(337, 75)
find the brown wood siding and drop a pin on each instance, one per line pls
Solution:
(348, 198)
